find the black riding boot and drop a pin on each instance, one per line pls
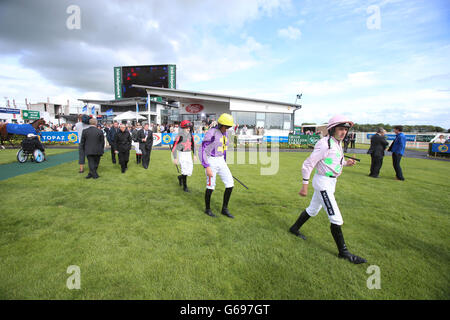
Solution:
(185, 188)
(208, 211)
(226, 198)
(137, 159)
(180, 179)
(304, 216)
(343, 251)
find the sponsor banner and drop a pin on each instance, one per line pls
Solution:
(30, 115)
(172, 76)
(118, 82)
(276, 139)
(156, 99)
(198, 137)
(440, 147)
(10, 110)
(157, 139)
(56, 136)
(194, 108)
(391, 136)
(303, 139)
(169, 138)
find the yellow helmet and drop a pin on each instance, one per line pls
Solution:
(226, 119)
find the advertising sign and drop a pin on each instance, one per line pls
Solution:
(56, 136)
(10, 110)
(303, 139)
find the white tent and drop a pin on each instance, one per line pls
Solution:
(129, 115)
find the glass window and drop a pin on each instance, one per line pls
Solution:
(189, 117)
(260, 116)
(286, 121)
(260, 120)
(274, 121)
(245, 118)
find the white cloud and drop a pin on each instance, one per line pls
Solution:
(210, 59)
(290, 33)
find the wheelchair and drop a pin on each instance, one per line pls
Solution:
(28, 150)
(36, 156)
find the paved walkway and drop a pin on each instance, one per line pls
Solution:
(10, 170)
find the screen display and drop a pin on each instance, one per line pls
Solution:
(154, 76)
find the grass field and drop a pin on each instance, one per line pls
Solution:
(138, 236)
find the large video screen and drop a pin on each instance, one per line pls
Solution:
(162, 76)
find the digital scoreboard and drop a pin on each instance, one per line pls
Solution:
(163, 76)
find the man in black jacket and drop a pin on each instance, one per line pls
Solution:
(122, 141)
(135, 142)
(93, 144)
(346, 142)
(377, 146)
(145, 138)
(111, 136)
(352, 136)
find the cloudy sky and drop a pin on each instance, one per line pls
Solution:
(376, 61)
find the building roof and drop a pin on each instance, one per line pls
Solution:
(126, 102)
(184, 95)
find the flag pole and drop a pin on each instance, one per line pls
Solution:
(137, 110)
(148, 107)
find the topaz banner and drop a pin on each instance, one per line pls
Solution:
(56, 136)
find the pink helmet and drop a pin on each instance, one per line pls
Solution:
(337, 120)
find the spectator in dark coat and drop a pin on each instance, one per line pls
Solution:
(93, 144)
(111, 136)
(377, 146)
(346, 142)
(352, 140)
(122, 141)
(145, 138)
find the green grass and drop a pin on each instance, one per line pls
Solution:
(10, 155)
(138, 236)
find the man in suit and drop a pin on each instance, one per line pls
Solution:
(93, 144)
(111, 136)
(122, 142)
(346, 142)
(377, 146)
(145, 138)
(352, 139)
(135, 142)
(398, 148)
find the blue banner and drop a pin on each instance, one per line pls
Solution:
(275, 139)
(10, 110)
(391, 136)
(56, 136)
(169, 138)
(440, 147)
